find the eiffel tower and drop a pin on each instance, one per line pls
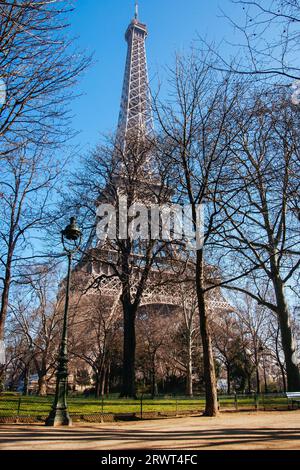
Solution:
(135, 120)
(135, 113)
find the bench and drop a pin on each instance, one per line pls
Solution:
(293, 397)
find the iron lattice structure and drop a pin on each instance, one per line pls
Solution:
(173, 291)
(135, 113)
(136, 120)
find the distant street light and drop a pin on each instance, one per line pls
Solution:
(59, 415)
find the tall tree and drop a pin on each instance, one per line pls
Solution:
(263, 230)
(27, 180)
(190, 332)
(127, 182)
(95, 326)
(39, 65)
(155, 326)
(36, 316)
(226, 343)
(253, 320)
(196, 127)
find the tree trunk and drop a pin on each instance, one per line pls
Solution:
(42, 385)
(189, 377)
(4, 300)
(98, 383)
(5, 292)
(279, 360)
(107, 385)
(129, 345)
(103, 380)
(257, 380)
(228, 379)
(154, 390)
(283, 377)
(2, 378)
(256, 359)
(249, 383)
(153, 383)
(211, 406)
(26, 381)
(287, 340)
(265, 377)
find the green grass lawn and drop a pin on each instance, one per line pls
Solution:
(33, 406)
(13, 405)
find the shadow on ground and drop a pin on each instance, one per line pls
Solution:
(188, 439)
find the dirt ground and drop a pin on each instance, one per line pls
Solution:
(232, 431)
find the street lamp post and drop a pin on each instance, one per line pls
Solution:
(59, 414)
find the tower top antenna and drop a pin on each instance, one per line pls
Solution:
(136, 14)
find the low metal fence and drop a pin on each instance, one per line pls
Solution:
(145, 406)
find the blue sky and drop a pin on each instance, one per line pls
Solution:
(100, 26)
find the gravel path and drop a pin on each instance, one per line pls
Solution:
(262, 430)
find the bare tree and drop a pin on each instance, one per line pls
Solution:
(38, 66)
(155, 326)
(276, 351)
(226, 343)
(268, 39)
(19, 360)
(253, 320)
(36, 314)
(196, 128)
(190, 333)
(94, 327)
(263, 230)
(27, 181)
(125, 178)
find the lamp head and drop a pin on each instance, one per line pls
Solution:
(72, 232)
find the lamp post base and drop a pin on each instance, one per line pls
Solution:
(59, 417)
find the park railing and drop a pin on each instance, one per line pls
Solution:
(253, 402)
(14, 405)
